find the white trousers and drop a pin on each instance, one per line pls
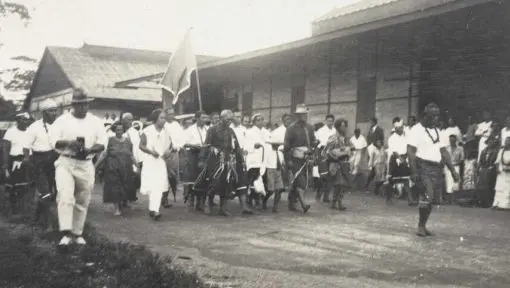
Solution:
(75, 182)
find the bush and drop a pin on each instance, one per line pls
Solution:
(29, 259)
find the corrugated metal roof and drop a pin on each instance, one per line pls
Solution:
(96, 69)
(379, 6)
(353, 8)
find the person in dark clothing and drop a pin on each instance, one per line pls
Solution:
(487, 171)
(298, 148)
(224, 169)
(375, 132)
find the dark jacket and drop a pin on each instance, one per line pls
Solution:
(295, 136)
(377, 134)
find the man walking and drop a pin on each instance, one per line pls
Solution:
(43, 156)
(224, 171)
(78, 137)
(427, 151)
(298, 147)
(194, 144)
(17, 155)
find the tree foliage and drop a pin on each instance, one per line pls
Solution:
(20, 79)
(12, 8)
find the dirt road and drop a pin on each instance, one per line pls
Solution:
(369, 245)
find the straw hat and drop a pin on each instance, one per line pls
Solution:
(48, 104)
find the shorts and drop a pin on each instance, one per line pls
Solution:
(430, 181)
(274, 180)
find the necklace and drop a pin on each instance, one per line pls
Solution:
(434, 141)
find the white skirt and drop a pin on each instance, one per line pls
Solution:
(154, 177)
(451, 186)
(502, 197)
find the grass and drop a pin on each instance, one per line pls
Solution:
(29, 258)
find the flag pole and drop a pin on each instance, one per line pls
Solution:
(198, 83)
(198, 90)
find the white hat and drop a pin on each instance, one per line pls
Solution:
(301, 109)
(48, 104)
(398, 124)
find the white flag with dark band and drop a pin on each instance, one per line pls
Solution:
(177, 78)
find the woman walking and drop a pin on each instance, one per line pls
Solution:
(119, 170)
(156, 142)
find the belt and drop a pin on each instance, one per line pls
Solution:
(42, 152)
(76, 158)
(432, 163)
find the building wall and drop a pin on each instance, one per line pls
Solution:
(272, 94)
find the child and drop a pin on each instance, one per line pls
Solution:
(377, 163)
(457, 154)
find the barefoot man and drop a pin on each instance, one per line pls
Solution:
(426, 151)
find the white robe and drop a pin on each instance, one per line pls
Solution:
(154, 174)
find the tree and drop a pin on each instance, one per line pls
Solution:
(18, 79)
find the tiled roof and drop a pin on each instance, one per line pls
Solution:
(96, 69)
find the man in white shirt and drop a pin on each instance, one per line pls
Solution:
(326, 131)
(17, 155)
(239, 129)
(426, 152)
(77, 137)
(398, 166)
(274, 173)
(255, 148)
(359, 143)
(278, 136)
(195, 137)
(483, 131)
(43, 156)
(172, 162)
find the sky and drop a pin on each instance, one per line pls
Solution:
(220, 27)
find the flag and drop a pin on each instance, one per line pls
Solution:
(177, 78)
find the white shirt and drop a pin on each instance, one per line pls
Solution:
(195, 135)
(505, 133)
(359, 143)
(255, 157)
(134, 136)
(271, 156)
(323, 135)
(453, 131)
(68, 128)
(484, 129)
(278, 135)
(176, 133)
(240, 132)
(158, 141)
(426, 149)
(397, 144)
(38, 136)
(18, 139)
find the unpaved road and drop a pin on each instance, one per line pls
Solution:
(369, 245)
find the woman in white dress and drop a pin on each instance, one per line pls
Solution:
(502, 197)
(156, 142)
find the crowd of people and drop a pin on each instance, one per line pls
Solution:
(229, 155)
